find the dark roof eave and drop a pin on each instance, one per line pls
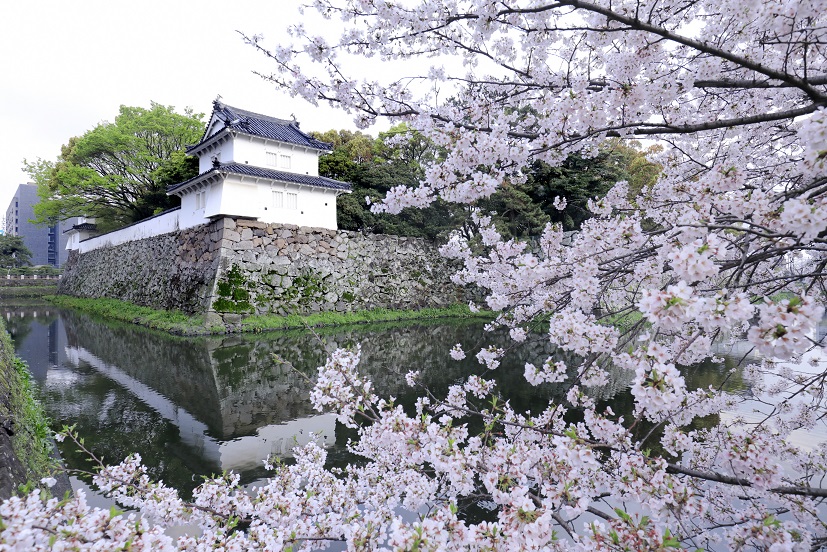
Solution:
(262, 126)
(257, 172)
(226, 130)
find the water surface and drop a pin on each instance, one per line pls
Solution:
(198, 406)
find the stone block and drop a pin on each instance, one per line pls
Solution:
(249, 256)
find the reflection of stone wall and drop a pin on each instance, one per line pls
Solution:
(240, 266)
(178, 369)
(239, 383)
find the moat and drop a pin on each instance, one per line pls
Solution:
(198, 406)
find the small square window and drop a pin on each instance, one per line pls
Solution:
(272, 159)
(278, 200)
(292, 201)
(284, 161)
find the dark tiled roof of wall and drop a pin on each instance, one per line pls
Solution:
(281, 176)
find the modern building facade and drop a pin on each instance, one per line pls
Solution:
(47, 244)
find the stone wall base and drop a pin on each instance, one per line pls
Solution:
(236, 267)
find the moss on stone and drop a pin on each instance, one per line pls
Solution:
(233, 295)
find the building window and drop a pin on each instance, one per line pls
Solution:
(200, 200)
(278, 200)
(292, 201)
(284, 161)
(272, 159)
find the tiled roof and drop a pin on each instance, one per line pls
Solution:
(82, 226)
(264, 126)
(258, 172)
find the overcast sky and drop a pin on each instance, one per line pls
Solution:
(66, 66)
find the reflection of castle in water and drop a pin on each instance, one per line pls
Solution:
(229, 402)
(230, 405)
(238, 454)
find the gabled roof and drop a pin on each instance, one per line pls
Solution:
(256, 124)
(90, 226)
(258, 172)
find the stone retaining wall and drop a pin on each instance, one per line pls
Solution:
(234, 267)
(171, 271)
(287, 269)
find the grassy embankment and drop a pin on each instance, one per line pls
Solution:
(25, 438)
(182, 324)
(26, 288)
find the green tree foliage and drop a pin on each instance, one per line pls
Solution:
(13, 252)
(516, 214)
(580, 178)
(397, 157)
(375, 165)
(118, 172)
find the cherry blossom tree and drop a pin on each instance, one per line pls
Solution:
(728, 244)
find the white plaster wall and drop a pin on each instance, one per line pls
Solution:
(190, 216)
(254, 152)
(216, 125)
(224, 152)
(163, 224)
(249, 197)
(315, 207)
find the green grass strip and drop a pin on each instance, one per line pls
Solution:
(27, 291)
(32, 439)
(178, 323)
(261, 323)
(175, 322)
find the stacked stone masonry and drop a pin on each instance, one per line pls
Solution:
(233, 267)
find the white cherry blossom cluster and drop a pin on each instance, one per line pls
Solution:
(550, 372)
(658, 388)
(804, 218)
(784, 327)
(341, 388)
(734, 96)
(696, 261)
(670, 308)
